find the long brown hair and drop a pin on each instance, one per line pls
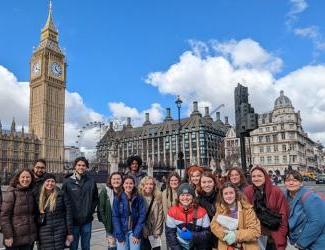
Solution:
(169, 191)
(243, 180)
(15, 180)
(221, 204)
(208, 174)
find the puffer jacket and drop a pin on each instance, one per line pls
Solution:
(155, 220)
(248, 231)
(83, 195)
(121, 213)
(276, 201)
(58, 224)
(178, 217)
(18, 216)
(306, 220)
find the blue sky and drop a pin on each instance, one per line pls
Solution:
(112, 47)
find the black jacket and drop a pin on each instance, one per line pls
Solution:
(57, 224)
(37, 185)
(83, 195)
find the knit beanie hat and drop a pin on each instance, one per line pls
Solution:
(49, 176)
(185, 188)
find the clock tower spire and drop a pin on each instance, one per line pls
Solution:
(47, 95)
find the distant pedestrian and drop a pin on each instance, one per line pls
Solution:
(18, 212)
(82, 191)
(169, 195)
(129, 216)
(306, 215)
(153, 226)
(244, 233)
(187, 224)
(271, 208)
(105, 207)
(134, 164)
(39, 170)
(237, 177)
(55, 218)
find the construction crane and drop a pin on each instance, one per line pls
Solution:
(216, 109)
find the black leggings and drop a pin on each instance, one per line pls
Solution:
(145, 245)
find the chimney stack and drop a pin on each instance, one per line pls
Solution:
(218, 116)
(206, 111)
(147, 120)
(168, 115)
(195, 109)
(226, 120)
(128, 122)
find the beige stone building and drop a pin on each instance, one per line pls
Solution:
(47, 96)
(280, 139)
(157, 144)
(17, 149)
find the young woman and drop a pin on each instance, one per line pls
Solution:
(233, 204)
(194, 173)
(18, 212)
(106, 197)
(187, 224)
(208, 197)
(271, 208)
(154, 216)
(55, 221)
(237, 177)
(306, 216)
(169, 195)
(129, 216)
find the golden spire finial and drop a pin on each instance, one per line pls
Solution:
(49, 22)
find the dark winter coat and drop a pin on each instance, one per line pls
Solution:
(121, 214)
(18, 216)
(307, 220)
(177, 217)
(83, 195)
(57, 224)
(105, 208)
(137, 176)
(276, 201)
(37, 185)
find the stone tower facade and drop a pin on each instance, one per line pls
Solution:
(47, 96)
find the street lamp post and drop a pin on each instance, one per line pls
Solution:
(180, 161)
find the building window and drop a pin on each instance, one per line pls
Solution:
(274, 128)
(267, 138)
(283, 136)
(284, 147)
(269, 159)
(260, 130)
(284, 159)
(267, 129)
(275, 138)
(260, 138)
(261, 149)
(268, 149)
(262, 159)
(276, 159)
(275, 148)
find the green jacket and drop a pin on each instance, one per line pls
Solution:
(105, 211)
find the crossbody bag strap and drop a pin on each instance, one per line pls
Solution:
(150, 206)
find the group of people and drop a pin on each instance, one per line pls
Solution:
(199, 213)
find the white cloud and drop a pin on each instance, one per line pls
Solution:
(121, 111)
(312, 33)
(296, 8)
(14, 96)
(212, 78)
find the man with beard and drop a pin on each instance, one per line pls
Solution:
(39, 170)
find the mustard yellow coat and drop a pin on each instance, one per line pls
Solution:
(249, 228)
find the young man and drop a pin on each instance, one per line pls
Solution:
(39, 170)
(82, 191)
(134, 163)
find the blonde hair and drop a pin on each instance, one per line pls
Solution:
(46, 200)
(143, 181)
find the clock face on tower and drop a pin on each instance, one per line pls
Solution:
(56, 69)
(36, 68)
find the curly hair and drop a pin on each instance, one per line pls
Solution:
(143, 181)
(81, 158)
(134, 158)
(15, 180)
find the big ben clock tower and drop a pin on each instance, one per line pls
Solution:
(47, 96)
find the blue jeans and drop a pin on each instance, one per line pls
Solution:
(84, 232)
(128, 244)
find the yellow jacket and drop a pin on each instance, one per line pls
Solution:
(249, 228)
